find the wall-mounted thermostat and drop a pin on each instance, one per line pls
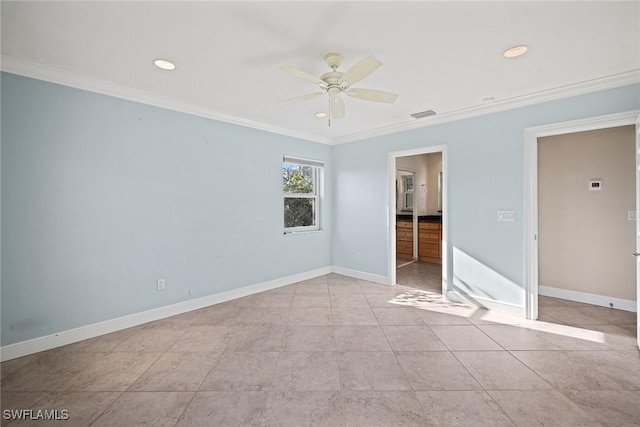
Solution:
(595, 185)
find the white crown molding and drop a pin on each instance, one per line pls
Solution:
(28, 69)
(609, 82)
(16, 66)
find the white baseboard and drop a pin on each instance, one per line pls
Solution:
(47, 342)
(501, 306)
(601, 300)
(383, 280)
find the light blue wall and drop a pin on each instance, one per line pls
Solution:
(485, 169)
(101, 197)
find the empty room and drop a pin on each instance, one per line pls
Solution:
(319, 213)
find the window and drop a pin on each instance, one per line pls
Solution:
(301, 191)
(407, 195)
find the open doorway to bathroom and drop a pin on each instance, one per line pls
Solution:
(417, 219)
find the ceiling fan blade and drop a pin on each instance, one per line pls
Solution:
(303, 74)
(373, 95)
(336, 105)
(301, 98)
(361, 70)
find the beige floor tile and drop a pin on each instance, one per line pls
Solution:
(310, 316)
(361, 338)
(17, 400)
(311, 300)
(102, 343)
(309, 338)
(432, 317)
(82, 408)
(436, 370)
(380, 409)
(541, 408)
(303, 408)
(214, 315)
(349, 300)
(307, 371)
(257, 338)
(370, 288)
(464, 337)
(633, 328)
(49, 372)
(517, 338)
(620, 408)
(386, 300)
(313, 286)
(580, 315)
(176, 372)
(150, 339)
(345, 287)
(417, 298)
(397, 316)
(498, 370)
(225, 408)
(210, 339)
(238, 371)
(545, 301)
(114, 372)
(567, 337)
(412, 338)
(353, 316)
(10, 366)
(156, 409)
(339, 279)
(371, 371)
(593, 370)
(259, 316)
(615, 337)
(262, 300)
(462, 408)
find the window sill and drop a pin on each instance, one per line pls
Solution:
(290, 233)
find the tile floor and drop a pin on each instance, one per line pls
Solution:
(336, 351)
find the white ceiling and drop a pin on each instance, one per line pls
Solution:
(445, 56)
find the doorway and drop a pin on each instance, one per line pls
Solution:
(531, 195)
(429, 215)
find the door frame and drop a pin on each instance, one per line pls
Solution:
(531, 136)
(414, 213)
(391, 209)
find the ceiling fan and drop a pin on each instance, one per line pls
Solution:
(335, 83)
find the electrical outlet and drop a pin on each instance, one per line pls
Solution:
(356, 255)
(160, 284)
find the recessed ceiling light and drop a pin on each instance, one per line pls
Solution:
(164, 64)
(514, 51)
(320, 115)
(488, 100)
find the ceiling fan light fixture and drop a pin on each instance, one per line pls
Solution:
(164, 64)
(515, 51)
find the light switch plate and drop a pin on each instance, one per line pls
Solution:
(508, 216)
(631, 215)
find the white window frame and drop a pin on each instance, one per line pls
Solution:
(318, 167)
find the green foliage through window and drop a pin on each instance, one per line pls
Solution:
(300, 189)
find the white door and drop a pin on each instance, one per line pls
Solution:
(638, 225)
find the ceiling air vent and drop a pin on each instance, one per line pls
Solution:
(423, 114)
